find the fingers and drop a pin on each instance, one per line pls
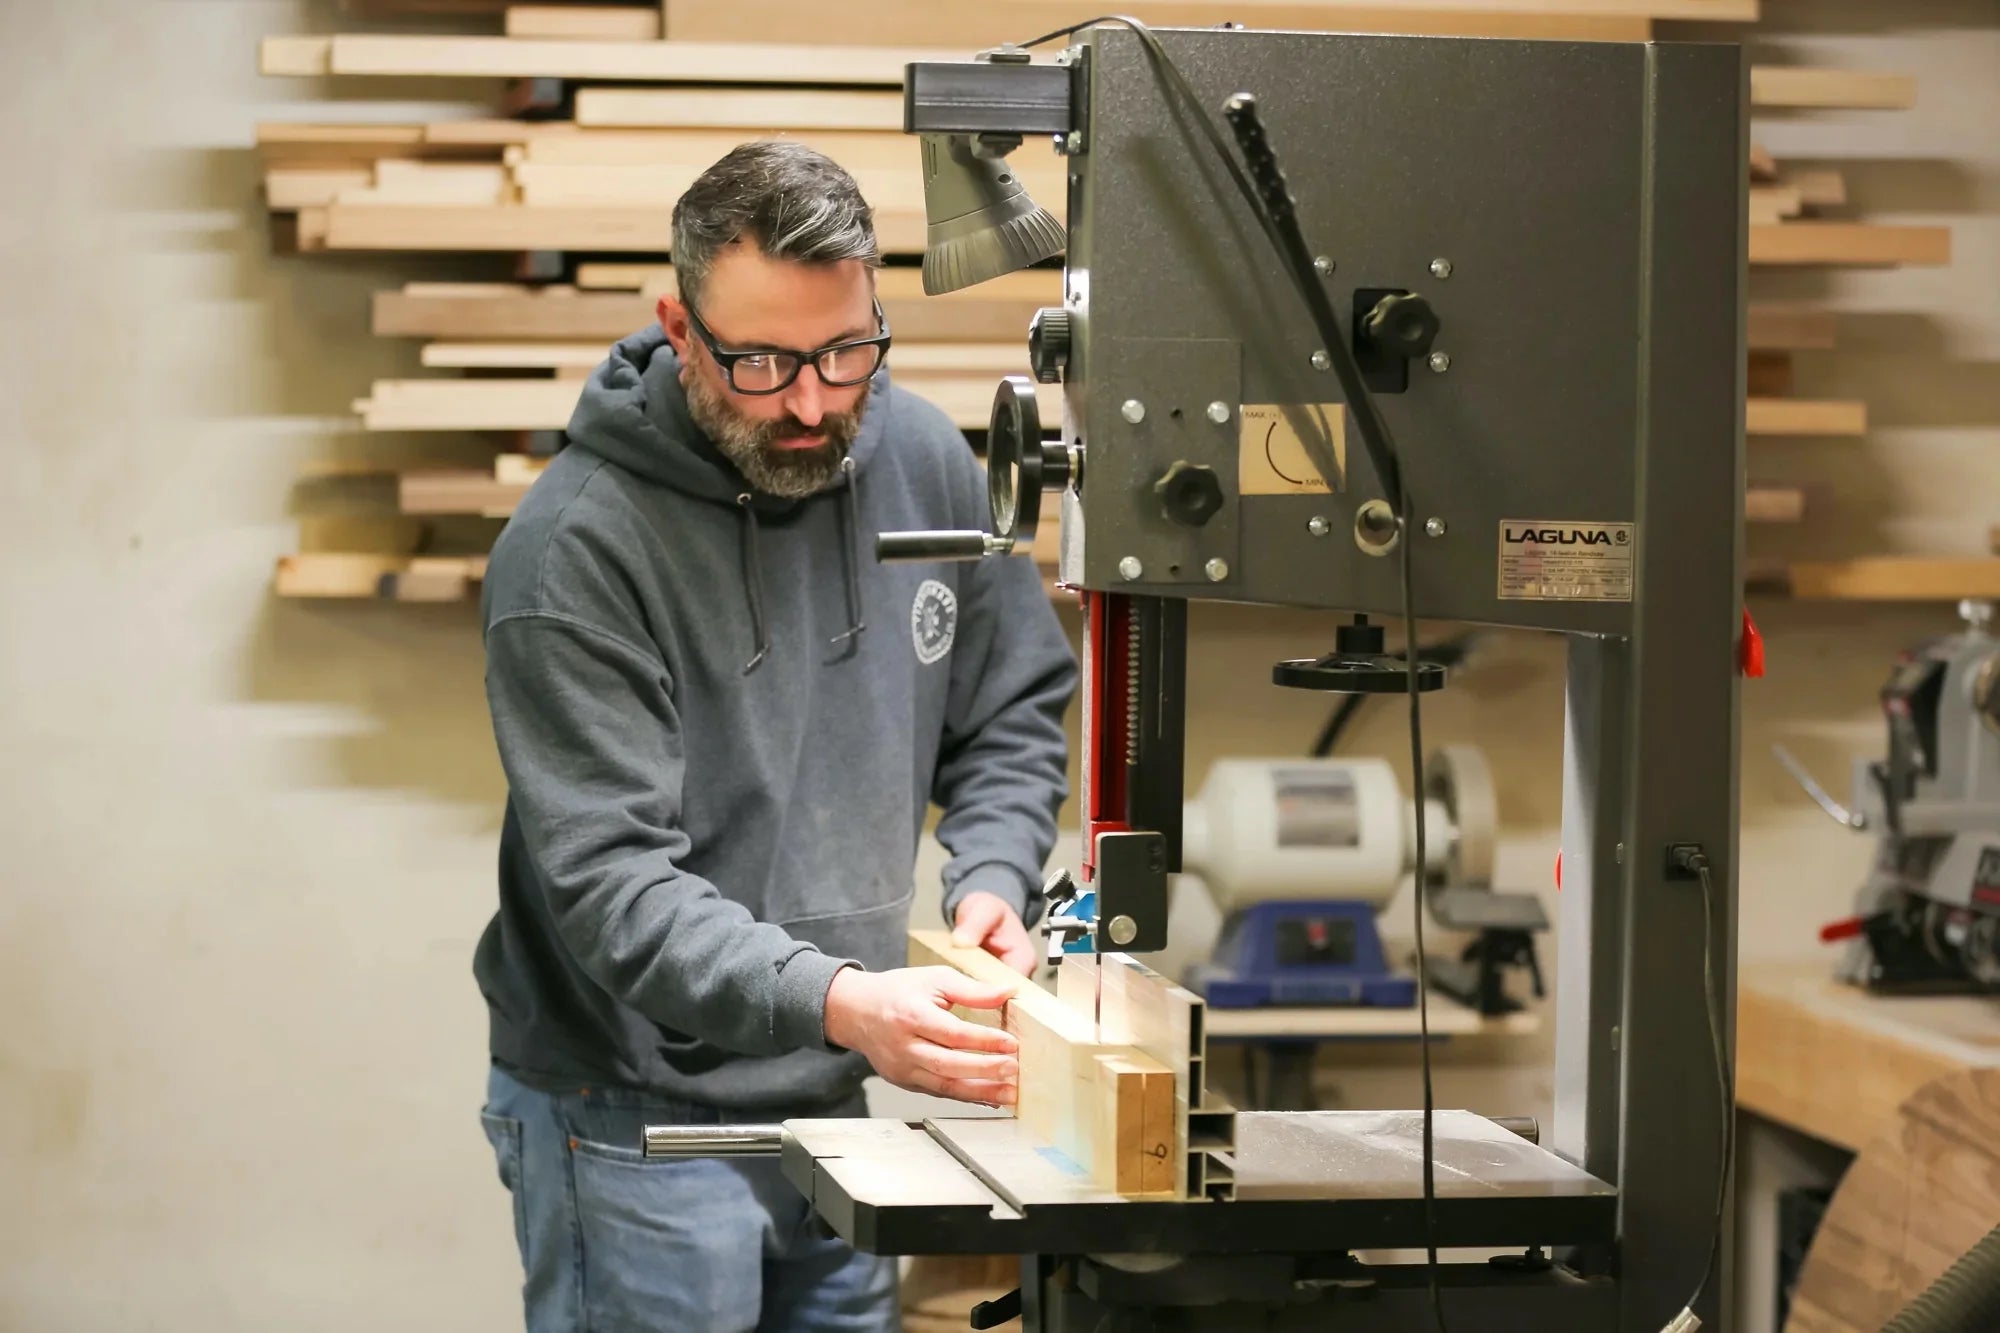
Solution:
(944, 1028)
(957, 988)
(975, 920)
(986, 1067)
(983, 1092)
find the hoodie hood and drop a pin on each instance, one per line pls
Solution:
(634, 413)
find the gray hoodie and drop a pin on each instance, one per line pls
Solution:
(722, 722)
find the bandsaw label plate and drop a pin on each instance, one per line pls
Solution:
(1275, 456)
(1560, 560)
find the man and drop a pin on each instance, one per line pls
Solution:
(722, 721)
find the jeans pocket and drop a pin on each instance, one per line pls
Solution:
(504, 1133)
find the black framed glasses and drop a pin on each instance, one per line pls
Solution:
(762, 370)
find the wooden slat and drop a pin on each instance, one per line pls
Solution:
(600, 23)
(288, 188)
(1789, 86)
(512, 355)
(488, 404)
(1897, 578)
(739, 109)
(295, 57)
(1774, 203)
(1773, 504)
(1775, 326)
(1770, 374)
(456, 491)
(1804, 416)
(968, 26)
(856, 150)
(1763, 166)
(1818, 187)
(661, 62)
(337, 574)
(465, 184)
(377, 226)
(1849, 243)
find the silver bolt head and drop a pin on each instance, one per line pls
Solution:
(1129, 568)
(1321, 360)
(1318, 526)
(1440, 268)
(1440, 362)
(1218, 412)
(1133, 411)
(1434, 526)
(1322, 266)
(1123, 930)
(1217, 569)
(1073, 142)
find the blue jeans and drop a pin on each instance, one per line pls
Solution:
(612, 1242)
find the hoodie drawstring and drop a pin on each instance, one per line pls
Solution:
(753, 579)
(850, 512)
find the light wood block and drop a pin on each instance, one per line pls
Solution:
(1817, 187)
(508, 311)
(639, 62)
(1777, 327)
(1773, 504)
(513, 356)
(333, 574)
(600, 23)
(1789, 86)
(1859, 243)
(488, 404)
(1804, 416)
(464, 184)
(739, 109)
(856, 150)
(290, 188)
(456, 491)
(1774, 203)
(1897, 579)
(1086, 1097)
(627, 227)
(1763, 166)
(295, 57)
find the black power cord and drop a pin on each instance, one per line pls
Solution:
(1272, 207)
(1684, 859)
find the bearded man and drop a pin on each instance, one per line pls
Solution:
(722, 723)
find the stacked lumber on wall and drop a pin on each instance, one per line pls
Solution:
(613, 108)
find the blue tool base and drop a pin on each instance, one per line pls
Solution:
(1301, 953)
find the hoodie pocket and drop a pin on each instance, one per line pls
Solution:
(875, 937)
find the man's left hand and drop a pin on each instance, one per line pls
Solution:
(985, 921)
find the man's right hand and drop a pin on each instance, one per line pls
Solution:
(902, 1022)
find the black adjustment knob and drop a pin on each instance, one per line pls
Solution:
(1048, 343)
(1189, 492)
(1402, 325)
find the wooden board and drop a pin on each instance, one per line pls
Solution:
(338, 574)
(1924, 1191)
(290, 188)
(1774, 203)
(740, 109)
(508, 311)
(637, 62)
(456, 491)
(856, 150)
(1096, 1102)
(1773, 504)
(1763, 166)
(1861, 243)
(482, 404)
(1790, 327)
(1804, 416)
(295, 57)
(1897, 578)
(1790, 86)
(1819, 187)
(602, 23)
(513, 356)
(967, 27)
(383, 226)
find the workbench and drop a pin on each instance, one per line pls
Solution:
(1834, 1062)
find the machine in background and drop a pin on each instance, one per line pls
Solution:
(1301, 856)
(1927, 918)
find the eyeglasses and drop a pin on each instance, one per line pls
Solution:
(772, 369)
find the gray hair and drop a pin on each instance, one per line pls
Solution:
(792, 202)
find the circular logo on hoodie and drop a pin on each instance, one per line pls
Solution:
(933, 620)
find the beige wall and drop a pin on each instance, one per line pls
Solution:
(250, 842)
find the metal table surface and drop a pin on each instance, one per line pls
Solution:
(1306, 1182)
